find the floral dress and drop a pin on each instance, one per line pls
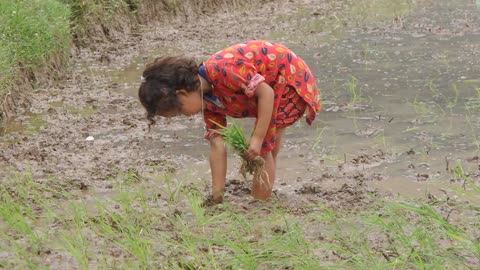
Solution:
(235, 73)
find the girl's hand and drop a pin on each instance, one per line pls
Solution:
(264, 116)
(254, 147)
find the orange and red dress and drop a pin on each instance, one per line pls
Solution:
(235, 73)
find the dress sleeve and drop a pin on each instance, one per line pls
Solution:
(239, 74)
(211, 117)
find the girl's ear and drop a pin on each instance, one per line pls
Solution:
(181, 92)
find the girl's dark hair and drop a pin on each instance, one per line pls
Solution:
(161, 79)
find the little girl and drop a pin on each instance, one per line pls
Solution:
(257, 79)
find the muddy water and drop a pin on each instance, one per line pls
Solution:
(400, 86)
(417, 100)
(407, 100)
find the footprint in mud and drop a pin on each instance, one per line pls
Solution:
(368, 132)
(366, 158)
(237, 187)
(347, 196)
(365, 161)
(309, 189)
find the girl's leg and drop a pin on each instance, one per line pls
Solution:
(291, 108)
(218, 166)
(261, 187)
(278, 143)
(262, 190)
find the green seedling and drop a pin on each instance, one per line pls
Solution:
(234, 137)
(354, 90)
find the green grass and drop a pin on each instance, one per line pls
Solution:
(139, 226)
(92, 19)
(380, 10)
(34, 34)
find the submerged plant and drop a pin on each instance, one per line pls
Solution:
(354, 90)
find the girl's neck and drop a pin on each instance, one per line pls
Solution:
(205, 85)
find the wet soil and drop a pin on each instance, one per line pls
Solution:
(89, 128)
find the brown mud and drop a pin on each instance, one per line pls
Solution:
(89, 128)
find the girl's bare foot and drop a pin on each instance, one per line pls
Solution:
(212, 200)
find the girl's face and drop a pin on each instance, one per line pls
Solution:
(191, 102)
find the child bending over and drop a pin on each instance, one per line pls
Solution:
(257, 79)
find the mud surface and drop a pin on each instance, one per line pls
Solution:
(89, 128)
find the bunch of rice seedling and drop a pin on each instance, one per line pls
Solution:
(234, 136)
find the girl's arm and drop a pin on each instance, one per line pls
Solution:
(265, 98)
(218, 166)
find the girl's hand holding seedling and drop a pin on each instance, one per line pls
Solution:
(254, 148)
(234, 137)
